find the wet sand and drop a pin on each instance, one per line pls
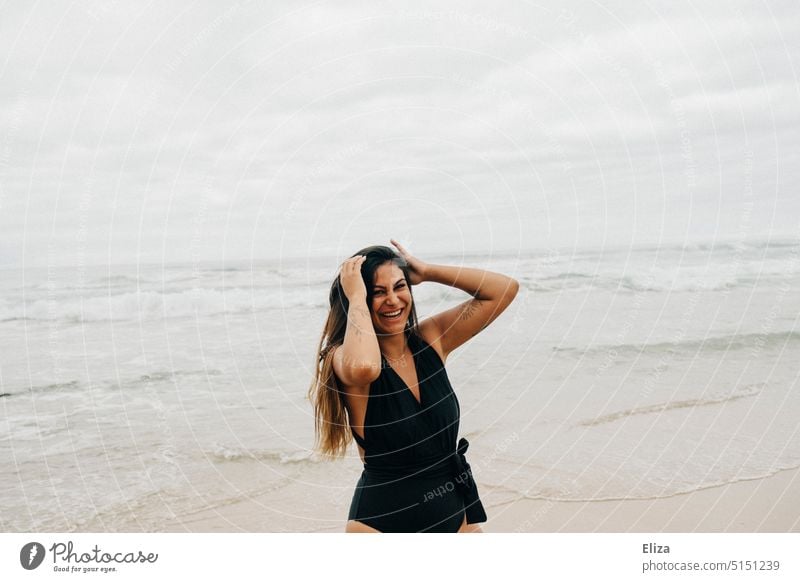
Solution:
(771, 504)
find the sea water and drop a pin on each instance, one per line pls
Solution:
(148, 397)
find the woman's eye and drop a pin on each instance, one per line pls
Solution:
(380, 292)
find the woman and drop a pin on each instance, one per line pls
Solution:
(381, 380)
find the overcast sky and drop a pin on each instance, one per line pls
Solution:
(187, 131)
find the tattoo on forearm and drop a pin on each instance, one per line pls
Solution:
(470, 309)
(362, 310)
(355, 325)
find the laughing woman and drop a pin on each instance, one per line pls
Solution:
(381, 379)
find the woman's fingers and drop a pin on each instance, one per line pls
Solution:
(398, 245)
(350, 276)
(350, 265)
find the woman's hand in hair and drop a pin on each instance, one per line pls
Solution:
(351, 280)
(418, 268)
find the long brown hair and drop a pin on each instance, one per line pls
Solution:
(331, 417)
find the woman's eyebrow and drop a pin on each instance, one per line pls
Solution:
(395, 283)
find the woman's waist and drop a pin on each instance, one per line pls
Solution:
(388, 468)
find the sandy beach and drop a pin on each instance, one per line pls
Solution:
(771, 504)
(760, 505)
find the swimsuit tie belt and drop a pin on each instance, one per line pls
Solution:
(466, 484)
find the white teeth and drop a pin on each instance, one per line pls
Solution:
(393, 313)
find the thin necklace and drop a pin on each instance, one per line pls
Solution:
(391, 360)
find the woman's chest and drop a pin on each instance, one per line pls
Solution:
(399, 417)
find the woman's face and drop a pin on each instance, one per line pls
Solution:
(390, 295)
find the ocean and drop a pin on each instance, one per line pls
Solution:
(148, 397)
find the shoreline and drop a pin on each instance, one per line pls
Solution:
(769, 504)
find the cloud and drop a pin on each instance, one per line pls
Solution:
(115, 118)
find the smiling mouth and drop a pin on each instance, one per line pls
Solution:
(392, 314)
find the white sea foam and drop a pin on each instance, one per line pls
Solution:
(155, 305)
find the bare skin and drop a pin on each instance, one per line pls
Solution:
(357, 362)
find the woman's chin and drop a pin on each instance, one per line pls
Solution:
(393, 328)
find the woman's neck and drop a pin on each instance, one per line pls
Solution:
(393, 346)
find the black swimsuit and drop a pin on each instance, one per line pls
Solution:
(415, 477)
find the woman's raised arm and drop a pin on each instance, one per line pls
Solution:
(357, 362)
(491, 294)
